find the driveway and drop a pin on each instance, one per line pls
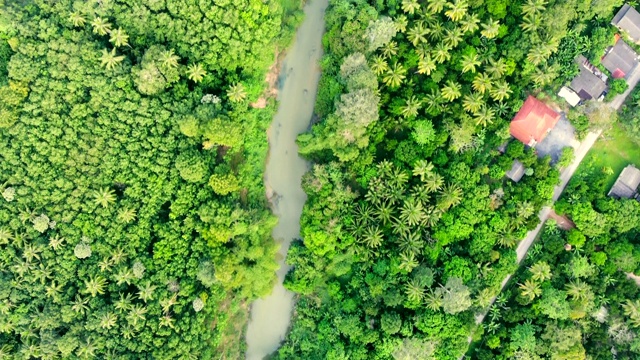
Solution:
(561, 136)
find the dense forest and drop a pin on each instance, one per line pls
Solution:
(133, 222)
(411, 226)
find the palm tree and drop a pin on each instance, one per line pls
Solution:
(434, 182)
(453, 37)
(53, 291)
(401, 23)
(390, 49)
(408, 261)
(124, 303)
(119, 37)
(87, 349)
(423, 168)
(395, 75)
(441, 53)
(433, 300)
(537, 55)
(108, 320)
(417, 34)
(372, 237)
(126, 215)
(379, 65)
(496, 68)
(145, 292)
(482, 83)
(80, 305)
(77, 19)
(236, 92)
(123, 276)
(414, 290)
(533, 7)
(169, 60)
(109, 59)
(100, 26)
(95, 285)
(410, 6)
(104, 197)
(490, 29)
(411, 242)
(469, 23)
(530, 289)
(632, 310)
(136, 314)
(500, 91)
(411, 107)
(542, 77)
(457, 10)
(540, 271)
(436, 6)
(117, 255)
(469, 63)
(421, 193)
(472, 102)
(531, 23)
(196, 73)
(383, 212)
(105, 264)
(411, 212)
(451, 91)
(55, 242)
(433, 100)
(166, 321)
(451, 195)
(484, 116)
(426, 65)
(525, 209)
(578, 290)
(436, 31)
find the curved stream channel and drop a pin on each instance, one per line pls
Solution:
(300, 73)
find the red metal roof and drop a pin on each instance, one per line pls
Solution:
(534, 120)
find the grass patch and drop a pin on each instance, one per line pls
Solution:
(614, 149)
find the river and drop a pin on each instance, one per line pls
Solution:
(299, 77)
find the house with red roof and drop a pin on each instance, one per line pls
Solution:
(533, 122)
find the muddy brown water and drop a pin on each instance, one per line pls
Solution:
(270, 316)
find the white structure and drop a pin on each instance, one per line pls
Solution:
(569, 95)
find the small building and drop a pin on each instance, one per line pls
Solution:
(570, 96)
(587, 85)
(620, 60)
(628, 20)
(516, 172)
(533, 122)
(626, 186)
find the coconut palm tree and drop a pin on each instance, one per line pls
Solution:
(436, 31)
(169, 60)
(410, 6)
(236, 92)
(411, 107)
(417, 34)
(578, 290)
(136, 314)
(530, 289)
(496, 68)
(490, 29)
(145, 292)
(472, 102)
(426, 65)
(457, 10)
(537, 55)
(453, 37)
(441, 53)
(484, 116)
(451, 91)
(80, 304)
(109, 59)
(104, 197)
(196, 73)
(482, 83)
(436, 6)
(408, 261)
(95, 285)
(411, 242)
(384, 212)
(542, 77)
(469, 63)
(108, 320)
(507, 240)
(470, 23)
(372, 237)
(401, 23)
(525, 209)
(500, 91)
(411, 212)
(540, 271)
(119, 37)
(77, 19)
(433, 101)
(434, 182)
(101, 26)
(379, 65)
(414, 291)
(433, 300)
(424, 169)
(534, 7)
(531, 23)
(390, 49)
(395, 75)
(632, 310)
(450, 195)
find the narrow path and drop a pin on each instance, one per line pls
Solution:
(300, 73)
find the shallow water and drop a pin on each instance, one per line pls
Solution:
(300, 73)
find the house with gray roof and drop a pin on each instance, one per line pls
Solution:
(628, 21)
(516, 172)
(626, 186)
(587, 85)
(620, 60)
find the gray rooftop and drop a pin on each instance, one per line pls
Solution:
(516, 172)
(621, 59)
(587, 85)
(626, 185)
(628, 19)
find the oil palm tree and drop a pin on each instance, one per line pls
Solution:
(450, 195)
(417, 34)
(421, 193)
(472, 102)
(482, 83)
(434, 182)
(415, 291)
(525, 209)
(436, 6)
(490, 29)
(426, 65)
(578, 290)
(433, 101)
(95, 285)
(101, 26)
(441, 53)
(423, 169)
(530, 289)
(136, 314)
(531, 23)
(384, 212)
(534, 7)
(80, 305)
(390, 49)
(145, 292)
(411, 242)
(469, 63)
(436, 31)
(77, 19)
(411, 212)
(451, 91)
(408, 261)
(470, 23)
(104, 197)
(411, 107)
(372, 237)
(124, 276)
(119, 37)
(109, 59)
(410, 6)
(56, 242)
(540, 271)
(108, 320)
(453, 37)
(500, 91)
(457, 10)
(433, 300)
(379, 65)
(126, 215)
(236, 92)
(124, 302)
(196, 73)
(169, 60)
(484, 116)
(395, 75)
(496, 68)
(401, 23)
